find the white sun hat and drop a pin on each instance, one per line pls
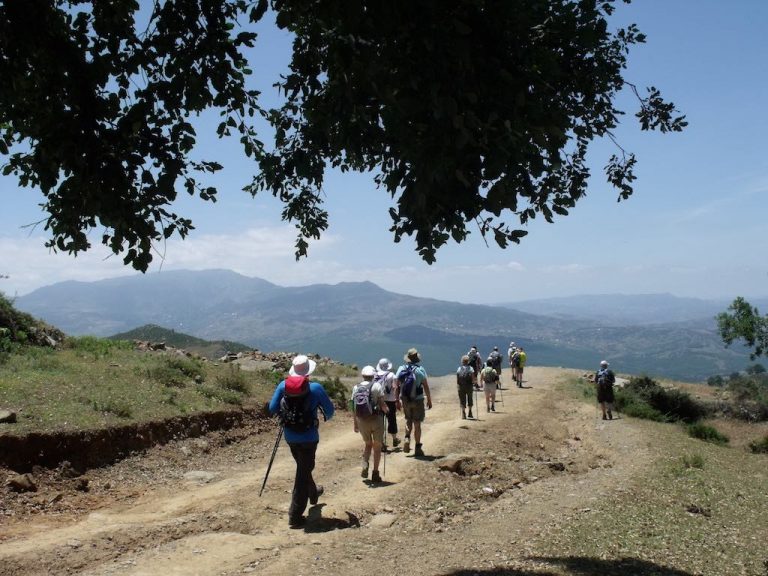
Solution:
(302, 366)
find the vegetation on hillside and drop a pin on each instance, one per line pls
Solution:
(208, 348)
(89, 382)
(746, 393)
(18, 329)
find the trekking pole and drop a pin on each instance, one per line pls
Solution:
(272, 459)
(385, 443)
(501, 393)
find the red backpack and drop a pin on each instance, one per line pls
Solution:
(295, 406)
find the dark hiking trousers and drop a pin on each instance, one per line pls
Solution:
(465, 394)
(303, 484)
(392, 418)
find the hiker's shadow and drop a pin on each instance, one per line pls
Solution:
(317, 523)
(380, 484)
(427, 457)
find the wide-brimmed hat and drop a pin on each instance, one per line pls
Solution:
(412, 356)
(368, 371)
(604, 363)
(384, 365)
(302, 366)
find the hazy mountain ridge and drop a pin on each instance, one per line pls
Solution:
(354, 322)
(622, 309)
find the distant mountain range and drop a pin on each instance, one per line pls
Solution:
(360, 322)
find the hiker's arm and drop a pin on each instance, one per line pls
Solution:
(425, 384)
(326, 404)
(274, 404)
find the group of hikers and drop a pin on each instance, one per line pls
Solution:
(474, 374)
(374, 403)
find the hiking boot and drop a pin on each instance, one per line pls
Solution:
(297, 522)
(610, 415)
(463, 415)
(395, 441)
(407, 445)
(469, 414)
(375, 477)
(364, 471)
(487, 408)
(493, 407)
(418, 451)
(605, 417)
(319, 493)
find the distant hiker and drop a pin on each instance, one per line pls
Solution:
(465, 377)
(510, 352)
(368, 416)
(495, 358)
(296, 400)
(490, 380)
(475, 362)
(388, 382)
(604, 380)
(521, 358)
(412, 380)
(514, 365)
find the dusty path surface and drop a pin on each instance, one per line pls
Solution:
(538, 459)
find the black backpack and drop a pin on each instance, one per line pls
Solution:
(296, 405)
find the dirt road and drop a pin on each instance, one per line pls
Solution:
(537, 459)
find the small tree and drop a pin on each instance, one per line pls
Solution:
(743, 322)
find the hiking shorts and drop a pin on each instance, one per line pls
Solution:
(489, 387)
(371, 428)
(413, 410)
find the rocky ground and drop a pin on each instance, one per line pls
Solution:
(193, 506)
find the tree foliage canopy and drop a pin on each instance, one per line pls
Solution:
(467, 113)
(742, 321)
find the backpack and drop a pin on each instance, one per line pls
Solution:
(295, 406)
(495, 358)
(464, 374)
(361, 400)
(381, 379)
(407, 378)
(473, 356)
(516, 359)
(489, 375)
(604, 378)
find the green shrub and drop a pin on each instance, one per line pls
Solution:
(233, 379)
(175, 371)
(643, 397)
(112, 406)
(759, 446)
(98, 347)
(187, 366)
(749, 397)
(337, 392)
(221, 394)
(707, 433)
(693, 461)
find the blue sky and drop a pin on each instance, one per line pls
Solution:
(694, 227)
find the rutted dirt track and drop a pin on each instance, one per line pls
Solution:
(538, 458)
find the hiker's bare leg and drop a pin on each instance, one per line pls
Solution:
(376, 455)
(367, 451)
(417, 431)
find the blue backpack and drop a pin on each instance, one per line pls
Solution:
(407, 378)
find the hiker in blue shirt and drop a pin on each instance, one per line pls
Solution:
(414, 388)
(297, 400)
